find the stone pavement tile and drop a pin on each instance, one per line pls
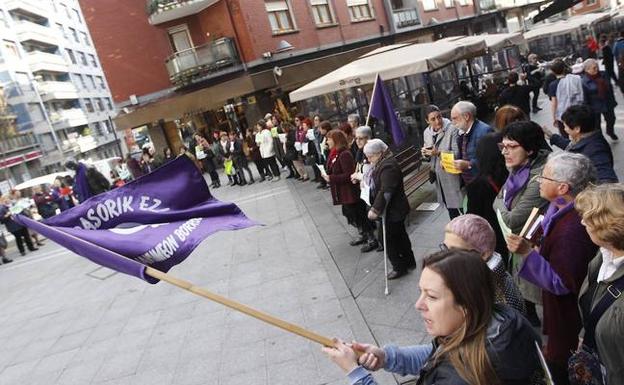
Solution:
(156, 376)
(135, 340)
(119, 365)
(198, 371)
(165, 333)
(238, 359)
(176, 313)
(104, 331)
(302, 370)
(245, 378)
(294, 316)
(54, 363)
(205, 322)
(205, 346)
(18, 340)
(386, 311)
(398, 336)
(71, 341)
(13, 374)
(323, 312)
(34, 350)
(244, 334)
(242, 281)
(79, 375)
(139, 322)
(286, 347)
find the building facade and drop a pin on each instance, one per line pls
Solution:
(176, 66)
(54, 84)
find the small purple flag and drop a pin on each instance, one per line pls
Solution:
(156, 220)
(382, 109)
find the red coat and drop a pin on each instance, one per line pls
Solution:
(339, 170)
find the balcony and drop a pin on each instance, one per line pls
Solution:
(16, 93)
(68, 118)
(36, 33)
(57, 90)
(487, 5)
(203, 62)
(43, 61)
(30, 8)
(404, 18)
(162, 11)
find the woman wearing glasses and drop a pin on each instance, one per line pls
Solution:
(524, 158)
(559, 266)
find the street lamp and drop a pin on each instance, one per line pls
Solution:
(35, 84)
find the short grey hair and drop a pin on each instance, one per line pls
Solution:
(354, 117)
(375, 146)
(589, 62)
(465, 107)
(574, 169)
(364, 131)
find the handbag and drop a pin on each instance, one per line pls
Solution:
(228, 165)
(584, 366)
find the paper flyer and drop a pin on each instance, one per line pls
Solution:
(321, 169)
(503, 226)
(448, 162)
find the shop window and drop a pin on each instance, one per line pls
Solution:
(280, 16)
(430, 5)
(322, 12)
(359, 10)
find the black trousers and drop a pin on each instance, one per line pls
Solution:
(272, 164)
(21, 236)
(536, 91)
(214, 177)
(263, 171)
(609, 116)
(399, 246)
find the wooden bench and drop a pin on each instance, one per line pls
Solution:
(415, 173)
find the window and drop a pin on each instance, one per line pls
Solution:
(90, 79)
(83, 58)
(279, 16)
(92, 60)
(109, 104)
(463, 3)
(71, 55)
(101, 82)
(99, 104)
(179, 38)
(359, 10)
(449, 3)
(12, 52)
(3, 20)
(322, 12)
(107, 126)
(77, 15)
(60, 28)
(88, 105)
(65, 9)
(74, 34)
(430, 5)
(82, 80)
(85, 38)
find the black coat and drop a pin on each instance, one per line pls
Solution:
(596, 148)
(388, 179)
(518, 96)
(97, 182)
(10, 224)
(238, 155)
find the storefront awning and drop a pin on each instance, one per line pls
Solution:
(565, 26)
(494, 42)
(556, 7)
(390, 63)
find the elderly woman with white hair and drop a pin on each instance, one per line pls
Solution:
(599, 95)
(558, 265)
(389, 200)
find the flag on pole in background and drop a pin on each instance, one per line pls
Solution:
(156, 220)
(381, 108)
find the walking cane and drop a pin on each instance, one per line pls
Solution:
(387, 197)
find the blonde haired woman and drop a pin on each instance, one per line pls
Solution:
(602, 210)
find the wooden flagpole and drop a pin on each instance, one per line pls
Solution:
(370, 105)
(287, 326)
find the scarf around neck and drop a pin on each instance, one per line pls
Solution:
(554, 213)
(515, 182)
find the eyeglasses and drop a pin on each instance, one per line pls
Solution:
(443, 247)
(510, 146)
(360, 138)
(539, 178)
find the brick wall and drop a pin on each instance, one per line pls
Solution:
(132, 51)
(442, 13)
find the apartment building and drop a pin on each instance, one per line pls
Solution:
(54, 84)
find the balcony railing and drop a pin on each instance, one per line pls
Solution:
(40, 61)
(28, 7)
(200, 62)
(68, 118)
(28, 31)
(161, 11)
(57, 90)
(405, 17)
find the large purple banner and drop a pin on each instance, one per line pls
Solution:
(156, 220)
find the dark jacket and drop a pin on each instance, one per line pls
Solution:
(597, 103)
(607, 59)
(45, 205)
(342, 190)
(10, 224)
(510, 347)
(254, 150)
(238, 155)
(519, 96)
(97, 182)
(477, 131)
(596, 148)
(388, 179)
(291, 151)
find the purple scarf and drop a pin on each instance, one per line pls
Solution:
(82, 184)
(515, 182)
(554, 213)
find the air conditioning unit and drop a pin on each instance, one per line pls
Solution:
(134, 100)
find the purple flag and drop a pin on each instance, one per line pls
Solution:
(156, 220)
(382, 109)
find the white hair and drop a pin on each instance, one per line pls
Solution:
(588, 63)
(375, 146)
(574, 169)
(364, 131)
(464, 107)
(354, 118)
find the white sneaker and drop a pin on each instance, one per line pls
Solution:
(276, 178)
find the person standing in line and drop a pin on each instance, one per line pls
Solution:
(264, 139)
(599, 96)
(471, 130)
(254, 154)
(19, 232)
(535, 77)
(389, 200)
(440, 136)
(607, 57)
(516, 94)
(240, 160)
